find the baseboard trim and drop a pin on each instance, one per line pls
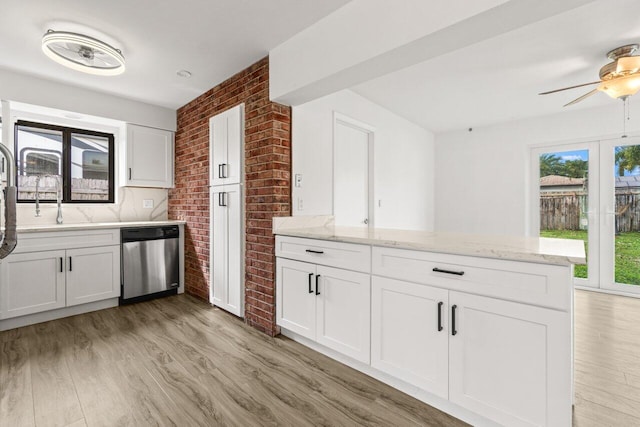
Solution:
(45, 316)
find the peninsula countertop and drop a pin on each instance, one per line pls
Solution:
(516, 248)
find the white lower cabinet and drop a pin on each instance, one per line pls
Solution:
(409, 333)
(509, 361)
(93, 274)
(492, 337)
(31, 283)
(325, 304)
(70, 272)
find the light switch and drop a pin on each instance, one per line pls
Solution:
(147, 204)
(298, 180)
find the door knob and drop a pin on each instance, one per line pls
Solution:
(366, 221)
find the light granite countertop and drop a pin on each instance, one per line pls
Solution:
(93, 226)
(529, 249)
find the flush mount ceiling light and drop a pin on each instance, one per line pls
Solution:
(83, 53)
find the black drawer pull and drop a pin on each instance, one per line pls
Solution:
(453, 319)
(61, 265)
(317, 286)
(440, 304)
(311, 251)
(457, 273)
(70, 264)
(310, 288)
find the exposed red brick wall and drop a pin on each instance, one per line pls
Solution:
(267, 183)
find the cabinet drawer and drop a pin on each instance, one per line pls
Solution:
(334, 254)
(537, 284)
(54, 240)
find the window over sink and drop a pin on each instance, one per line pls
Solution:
(81, 160)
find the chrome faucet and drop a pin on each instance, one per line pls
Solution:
(9, 237)
(58, 196)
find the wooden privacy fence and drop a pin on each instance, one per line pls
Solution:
(564, 211)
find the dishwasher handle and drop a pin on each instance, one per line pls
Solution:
(141, 234)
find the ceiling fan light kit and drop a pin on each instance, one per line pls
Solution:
(83, 53)
(619, 79)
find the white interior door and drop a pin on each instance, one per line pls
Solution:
(352, 171)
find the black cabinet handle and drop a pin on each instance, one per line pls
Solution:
(310, 289)
(220, 170)
(129, 174)
(317, 287)
(311, 251)
(457, 273)
(222, 199)
(61, 265)
(225, 170)
(70, 264)
(453, 319)
(440, 304)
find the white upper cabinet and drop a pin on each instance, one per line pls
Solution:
(148, 157)
(226, 139)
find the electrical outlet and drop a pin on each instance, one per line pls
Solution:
(298, 180)
(300, 204)
(147, 204)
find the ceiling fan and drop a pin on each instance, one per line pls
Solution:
(618, 79)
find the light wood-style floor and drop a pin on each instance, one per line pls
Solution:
(607, 360)
(179, 362)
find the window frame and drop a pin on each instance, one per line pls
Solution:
(67, 131)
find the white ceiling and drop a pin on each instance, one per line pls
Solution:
(213, 39)
(498, 80)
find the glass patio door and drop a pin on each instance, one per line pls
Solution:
(591, 191)
(620, 214)
(568, 201)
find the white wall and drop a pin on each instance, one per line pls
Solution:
(403, 165)
(483, 177)
(33, 90)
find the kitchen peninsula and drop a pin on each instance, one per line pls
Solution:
(478, 326)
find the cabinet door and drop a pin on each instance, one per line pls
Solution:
(217, 148)
(149, 157)
(509, 361)
(226, 139)
(295, 297)
(93, 274)
(227, 244)
(409, 333)
(31, 283)
(343, 312)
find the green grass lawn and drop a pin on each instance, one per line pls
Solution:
(627, 254)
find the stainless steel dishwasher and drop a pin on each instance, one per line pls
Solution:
(150, 263)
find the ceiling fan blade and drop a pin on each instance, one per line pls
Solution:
(586, 95)
(570, 87)
(628, 64)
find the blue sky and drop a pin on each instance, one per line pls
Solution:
(572, 155)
